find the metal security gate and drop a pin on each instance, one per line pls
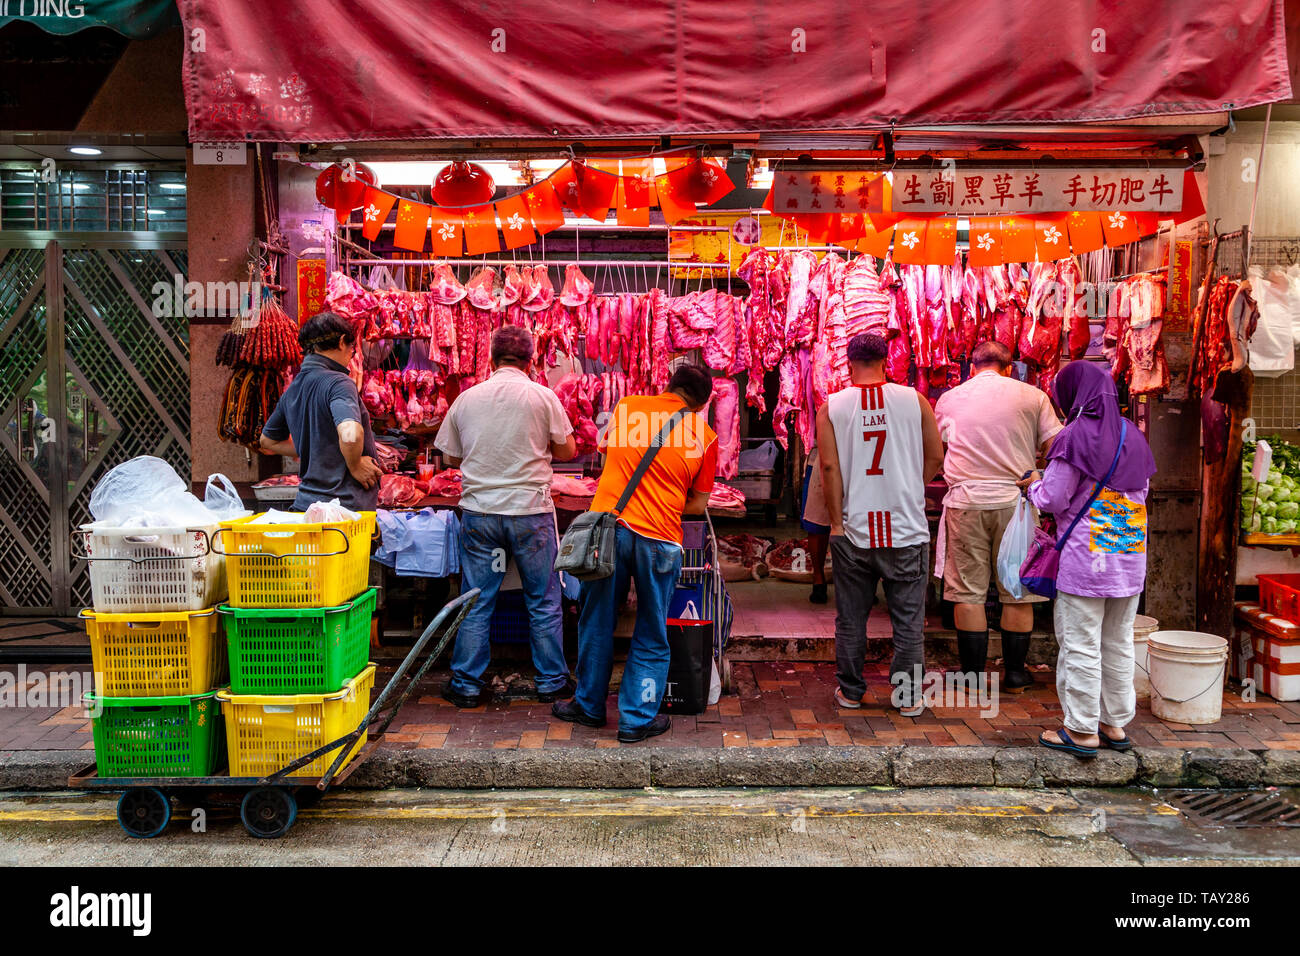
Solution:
(91, 375)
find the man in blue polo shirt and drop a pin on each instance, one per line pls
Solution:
(320, 418)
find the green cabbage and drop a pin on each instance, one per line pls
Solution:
(1288, 509)
(1286, 526)
(1267, 509)
(1254, 524)
(1264, 491)
(1270, 526)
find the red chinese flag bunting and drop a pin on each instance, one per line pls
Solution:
(565, 183)
(481, 230)
(1119, 227)
(1085, 231)
(674, 208)
(412, 225)
(985, 241)
(769, 201)
(850, 229)
(941, 241)
(375, 209)
(909, 242)
(1050, 239)
(816, 225)
(596, 185)
(1017, 239)
(1148, 223)
(516, 222)
(445, 230)
(875, 242)
(629, 215)
(544, 206)
(1193, 204)
(700, 180)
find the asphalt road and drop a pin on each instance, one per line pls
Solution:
(745, 827)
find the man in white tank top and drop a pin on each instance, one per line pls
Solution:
(879, 446)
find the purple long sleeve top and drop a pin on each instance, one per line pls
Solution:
(1106, 555)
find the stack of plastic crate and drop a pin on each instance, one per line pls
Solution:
(298, 634)
(155, 648)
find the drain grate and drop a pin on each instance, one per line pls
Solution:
(1237, 808)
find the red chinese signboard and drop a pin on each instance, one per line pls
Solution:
(827, 191)
(311, 288)
(994, 191)
(1178, 310)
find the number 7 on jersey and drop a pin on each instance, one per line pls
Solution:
(878, 437)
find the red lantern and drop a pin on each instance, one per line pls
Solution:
(340, 193)
(463, 184)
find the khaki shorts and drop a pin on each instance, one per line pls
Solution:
(972, 556)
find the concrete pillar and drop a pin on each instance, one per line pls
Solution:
(220, 209)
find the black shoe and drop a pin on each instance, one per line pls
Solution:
(973, 649)
(463, 701)
(560, 693)
(818, 595)
(1015, 648)
(653, 729)
(570, 711)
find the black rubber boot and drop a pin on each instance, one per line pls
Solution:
(1015, 648)
(973, 649)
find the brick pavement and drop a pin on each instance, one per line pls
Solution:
(775, 705)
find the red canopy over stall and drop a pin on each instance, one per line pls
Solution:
(329, 70)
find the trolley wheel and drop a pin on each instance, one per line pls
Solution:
(268, 812)
(725, 675)
(144, 812)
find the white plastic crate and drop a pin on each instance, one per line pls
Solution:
(135, 570)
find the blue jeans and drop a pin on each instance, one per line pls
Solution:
(654, 566)
(486, 543)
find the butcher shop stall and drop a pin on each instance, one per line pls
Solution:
(753, 226)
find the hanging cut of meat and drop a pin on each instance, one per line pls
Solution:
(481, 291)
(578, 289)
(660, 341)
(1077, 333)
(512, 289)
(577, 394)
(538, 293)
(720, 343)
(866, 304)
(444, 287)
(726, 422)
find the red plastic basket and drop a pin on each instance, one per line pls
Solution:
(1279, 594)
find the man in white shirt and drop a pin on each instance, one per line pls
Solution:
(503, 435)
(995, 428)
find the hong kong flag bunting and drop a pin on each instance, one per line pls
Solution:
(375, 208)
(481, 230)
(674, 207)
(565, 183)
(638, 183)
(596, 185)
(629, 215)
(445, 232)
(516, 222)
(875, 242)
(985, 241)
(1119, 228)
(1050, 241)
(412, 225)
(544, 206)
(909, 242)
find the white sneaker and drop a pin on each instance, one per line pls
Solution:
(844, 702)
(916, 710)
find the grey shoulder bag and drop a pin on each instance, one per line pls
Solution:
(588, 546)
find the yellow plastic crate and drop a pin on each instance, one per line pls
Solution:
(296, 565)
(265, 732)
(163, 654)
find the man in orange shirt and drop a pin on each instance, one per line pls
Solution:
(649, 551)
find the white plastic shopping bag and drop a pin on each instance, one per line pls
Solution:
(1015, 547)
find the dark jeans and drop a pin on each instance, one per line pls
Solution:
(856, 572)
(653, 566)
(486, 542)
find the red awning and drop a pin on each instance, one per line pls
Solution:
(329, 70)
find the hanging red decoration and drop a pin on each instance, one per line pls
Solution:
(463, 184)
(343, 190)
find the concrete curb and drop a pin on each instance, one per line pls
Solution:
(632, 768)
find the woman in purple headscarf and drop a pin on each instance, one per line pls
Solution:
(1103, 563)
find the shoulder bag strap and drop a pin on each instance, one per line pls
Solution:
(1123, 433)
(644, 465)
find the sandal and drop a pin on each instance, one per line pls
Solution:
(1121, 744)
(1069, 746)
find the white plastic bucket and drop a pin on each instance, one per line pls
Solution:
(1143, 626)
(1187, 670)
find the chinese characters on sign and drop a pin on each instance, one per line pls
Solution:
(827, 191)
(311, 288)
(991, 191)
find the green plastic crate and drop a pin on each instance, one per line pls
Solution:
(298, 650)
(156, 736)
